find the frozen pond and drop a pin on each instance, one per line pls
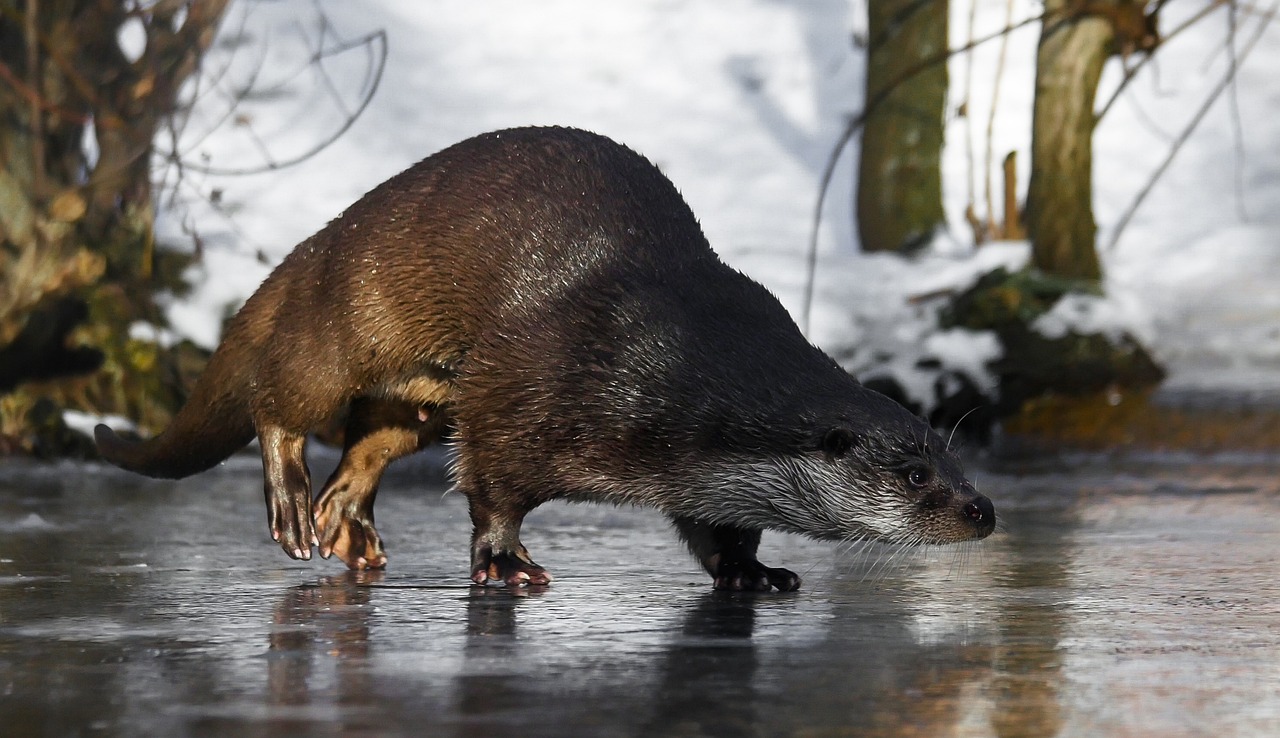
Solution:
(1140, 599)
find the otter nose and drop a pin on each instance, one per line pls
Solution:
(982, 514)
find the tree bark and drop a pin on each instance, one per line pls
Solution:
(1069, 61)
(899, 200)
(76, 245)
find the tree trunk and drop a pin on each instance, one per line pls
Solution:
(899, 200)
(76, 249)
(1060, 221)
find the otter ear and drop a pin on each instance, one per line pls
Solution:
(837, 442)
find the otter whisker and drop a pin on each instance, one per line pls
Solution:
(959, 559)
(888, 552)
(956, 427)
(860, 544)
(805, 574)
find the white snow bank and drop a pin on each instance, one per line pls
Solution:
(877, 315)
(1113, 316)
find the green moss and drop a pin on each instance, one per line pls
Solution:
(1002, 299)
(137, 379)
(1033, 365)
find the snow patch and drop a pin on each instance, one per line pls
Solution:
(222, 281)
(878, 316)
(1113, 316)
(84, 423)
(967, 352)
(131, 37)
(143, 331)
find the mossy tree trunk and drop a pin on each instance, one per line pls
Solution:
(77, 258)
(1069, 61)
(899, 200)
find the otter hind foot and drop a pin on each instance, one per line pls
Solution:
(752, 576)
(513, 568)
(345, 523)
(378, 432)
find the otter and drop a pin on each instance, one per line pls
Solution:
(545, 299)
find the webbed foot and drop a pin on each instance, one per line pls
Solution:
(728, 553)
(290, 523)
(752, 576)
(345, 522)
(513, 568)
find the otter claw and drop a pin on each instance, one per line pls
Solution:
(514, 569)
(356, 543)
(346, 529)
(755, 577)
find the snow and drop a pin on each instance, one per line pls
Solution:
(1112, 316)
(223, 279)
(740, 102)
(84, 423)
(131, 37)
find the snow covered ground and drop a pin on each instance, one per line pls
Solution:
(740, 102)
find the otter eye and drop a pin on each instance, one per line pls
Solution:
(918, 476)
(838, 441)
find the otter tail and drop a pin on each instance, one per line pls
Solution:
(214, 423)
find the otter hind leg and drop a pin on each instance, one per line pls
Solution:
(496, 552)
(378, 432)
(287, 484)
(728, 553)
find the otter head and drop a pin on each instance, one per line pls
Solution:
(877, 471)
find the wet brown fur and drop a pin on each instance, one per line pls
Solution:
(548, 294)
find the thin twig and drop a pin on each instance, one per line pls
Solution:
(1152, 125)
(377, 43)
(233, 99)
(1233, 102)
(991, 116)
(180, 118)
(1218, 89)
(1149, 56)
(968, 102)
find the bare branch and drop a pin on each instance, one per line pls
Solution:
(376, 44)
(1131, 72)
(991, 116)
(968, 111)
(1233, 101)
(1217, 91)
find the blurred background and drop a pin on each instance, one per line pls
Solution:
(1058, 221)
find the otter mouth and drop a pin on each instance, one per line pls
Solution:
(972, 519)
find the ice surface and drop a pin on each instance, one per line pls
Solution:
(163, 608)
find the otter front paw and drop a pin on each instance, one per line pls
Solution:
(752, 576)
(289, 517)
(513, 568)
(347, 531)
